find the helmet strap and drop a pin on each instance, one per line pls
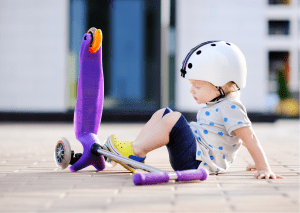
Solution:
(184, 63)
(222, 94)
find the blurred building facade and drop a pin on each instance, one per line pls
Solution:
(144, 44)
(34, 38)
(267, 32)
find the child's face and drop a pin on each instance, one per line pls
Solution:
(203, 91)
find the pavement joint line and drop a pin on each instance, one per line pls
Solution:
(63, 195)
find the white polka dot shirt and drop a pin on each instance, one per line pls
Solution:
(217, 144)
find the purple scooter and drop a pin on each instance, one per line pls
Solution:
(87, 118)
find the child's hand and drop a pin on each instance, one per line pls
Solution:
(267, 174)
(263, 174)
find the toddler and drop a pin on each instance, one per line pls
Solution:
(216, 71)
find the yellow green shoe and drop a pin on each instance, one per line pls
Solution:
(123, 148)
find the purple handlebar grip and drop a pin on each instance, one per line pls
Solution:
(193, 174)
(150, 178)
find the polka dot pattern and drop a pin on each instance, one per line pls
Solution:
(212, 123)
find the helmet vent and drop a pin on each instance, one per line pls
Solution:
(198, 52)
(228, 44)
(190, 65)
(213, 44)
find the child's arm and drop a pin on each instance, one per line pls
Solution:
(250, 141)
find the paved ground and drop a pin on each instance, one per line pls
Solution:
(30, 181)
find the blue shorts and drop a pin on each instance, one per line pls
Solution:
(182, 145)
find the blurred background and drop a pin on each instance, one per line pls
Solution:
(144, 44)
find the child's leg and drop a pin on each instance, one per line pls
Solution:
(157, 136)
(156, 117)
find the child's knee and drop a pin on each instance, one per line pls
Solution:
(171, 118)
(159, 113)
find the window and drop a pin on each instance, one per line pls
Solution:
(278, 61)
(279, 2)
(277, 27)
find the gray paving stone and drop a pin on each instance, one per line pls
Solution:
(30, 181)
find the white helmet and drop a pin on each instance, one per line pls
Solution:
(217, 62)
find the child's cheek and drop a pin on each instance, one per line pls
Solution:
(198, 94)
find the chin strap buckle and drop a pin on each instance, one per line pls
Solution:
(222, 94)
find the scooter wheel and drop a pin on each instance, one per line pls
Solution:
(62, 153)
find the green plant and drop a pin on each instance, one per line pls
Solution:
(283, 90)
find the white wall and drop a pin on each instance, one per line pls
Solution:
(33, 55)
(240, 22)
